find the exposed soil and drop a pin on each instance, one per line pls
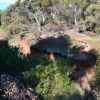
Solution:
(92, 42)
(83, 76)
(23, 46)
(23, 43)
(86, 46)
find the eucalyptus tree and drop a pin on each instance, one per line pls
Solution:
(43, 11)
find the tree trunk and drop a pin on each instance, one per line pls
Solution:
(53, 15)
(75, 19)
(38, 23)
(43, 18)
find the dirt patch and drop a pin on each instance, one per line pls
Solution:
(54, 27)
(23, 43)
(83, 76)
(86, 46)
(2, 37)
(86, 79)
(23, 46)
(93, 43)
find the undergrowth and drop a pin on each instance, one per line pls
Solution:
(49, 79)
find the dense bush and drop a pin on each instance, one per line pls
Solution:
(40, 13)
(97, 30)
(92, 19)
(53, 83)
(50, 80)
(15, 17)
(10, 61)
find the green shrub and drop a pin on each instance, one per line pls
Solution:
(93, 7)
(50, 80)
(54, 81)
(97, 29)
(10, 61)
(97, 69)
(13, 28)
(92, 19)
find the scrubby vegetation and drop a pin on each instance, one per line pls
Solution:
(92, 19)
(23, 15)
(29, 15)
(60, 79)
